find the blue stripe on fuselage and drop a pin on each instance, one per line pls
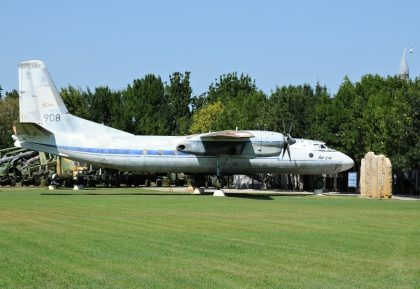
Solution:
(109, 151)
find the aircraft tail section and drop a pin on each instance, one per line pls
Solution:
(39, 100)
(31, 129)
(40, 103)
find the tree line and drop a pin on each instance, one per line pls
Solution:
(380, 114)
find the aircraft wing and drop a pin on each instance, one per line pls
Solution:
(226, 135)
(227, 142)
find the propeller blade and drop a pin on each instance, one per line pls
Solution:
(288, 152)
(287, 141)
(284, 151)
(290, 140)
(284, 145)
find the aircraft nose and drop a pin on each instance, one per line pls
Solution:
(346, 162)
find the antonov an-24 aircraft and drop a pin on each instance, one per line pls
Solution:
(46, 125)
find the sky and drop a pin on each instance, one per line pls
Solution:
(94, 43)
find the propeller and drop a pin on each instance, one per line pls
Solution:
(287, 141)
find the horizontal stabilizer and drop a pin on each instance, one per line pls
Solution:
(31, 129)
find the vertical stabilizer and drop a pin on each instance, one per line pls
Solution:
(40, 103)
(39, 100)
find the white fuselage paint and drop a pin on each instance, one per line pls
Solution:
(158, 154)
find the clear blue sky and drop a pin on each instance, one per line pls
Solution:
(92, 43)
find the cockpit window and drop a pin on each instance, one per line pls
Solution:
(318, 146)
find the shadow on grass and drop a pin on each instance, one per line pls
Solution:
(242, 196)
(116, 194)
(122, 192)
(250, 196)
(163, 194)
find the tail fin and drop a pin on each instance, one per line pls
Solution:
(40, 103)
(39, 100)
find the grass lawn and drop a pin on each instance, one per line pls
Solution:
(122, 239)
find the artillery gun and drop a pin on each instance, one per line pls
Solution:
(12, 164)
(25, 168)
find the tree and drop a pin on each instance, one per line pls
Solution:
(146, 107)
(239, 103)
(207, 118)
(292, 104)
(322, 123)
(103, 104)
(9, 114)
(247, 113)
(76, 101)
(231, 87)
(413, 98)
(346, 115)
(387, 119)
(378, 114)
(179, 100)
(12, 94)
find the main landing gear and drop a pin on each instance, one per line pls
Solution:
(220, 181)
(198, 181)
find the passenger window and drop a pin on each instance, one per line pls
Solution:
(323, 147)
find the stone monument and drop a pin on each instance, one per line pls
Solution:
(376, 176)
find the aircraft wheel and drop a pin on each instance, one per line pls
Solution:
(319, 183)
(220, 183)
(198, 181)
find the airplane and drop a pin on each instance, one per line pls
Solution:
(46, 125)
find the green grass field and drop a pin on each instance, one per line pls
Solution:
(184, 241)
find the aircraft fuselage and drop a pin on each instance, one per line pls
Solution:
(158, 154)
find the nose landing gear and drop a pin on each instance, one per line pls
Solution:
(319, 185)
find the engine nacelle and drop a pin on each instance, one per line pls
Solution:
(264, 144)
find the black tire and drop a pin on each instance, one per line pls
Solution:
(158, 183)
(319, 183)
(220, 183)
